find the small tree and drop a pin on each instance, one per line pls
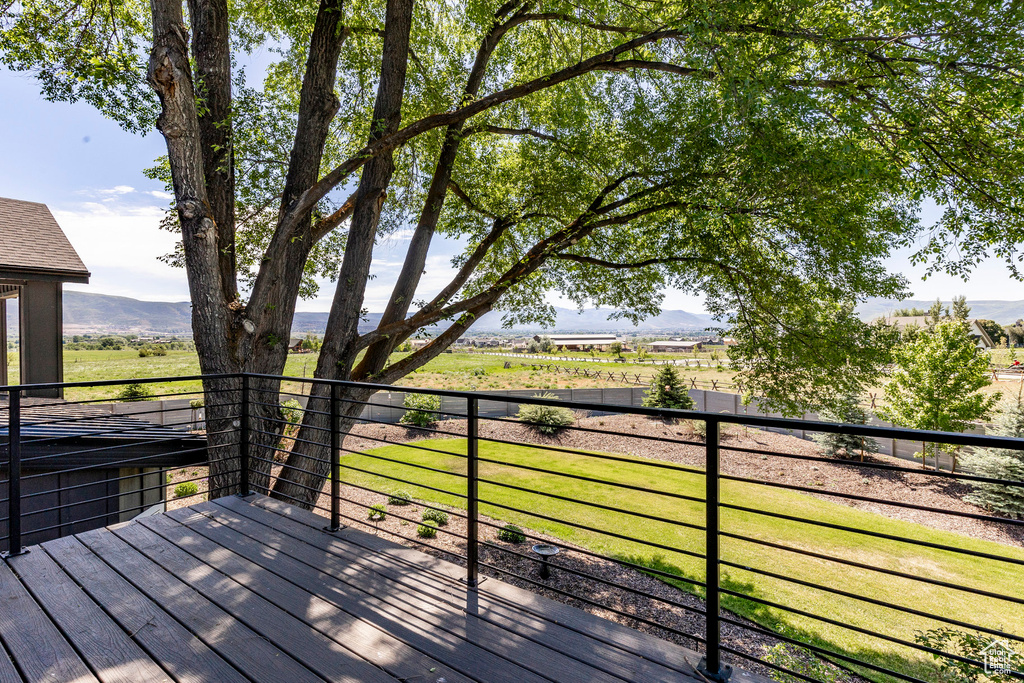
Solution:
(616, 349)
(936, 384)
(420, 409)
(545, 419)
(546, 345)
(668, 391)
(1000, 463)
(845, 410)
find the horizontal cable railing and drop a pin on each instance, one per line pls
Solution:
(751, 549)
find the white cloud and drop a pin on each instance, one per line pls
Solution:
(116, 190)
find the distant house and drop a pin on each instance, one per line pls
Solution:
(36, 259)
(295, 344)
(580, 342)
(977, 332)
(676, 346)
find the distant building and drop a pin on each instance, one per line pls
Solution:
(36, 259)
(977, 332)
(676, 346)
(580, 342)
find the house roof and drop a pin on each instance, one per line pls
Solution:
(33, 247)
(925, 320)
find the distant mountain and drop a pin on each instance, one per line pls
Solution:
(90, 313)
(1003, 312)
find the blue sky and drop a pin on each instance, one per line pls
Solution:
(89, 172)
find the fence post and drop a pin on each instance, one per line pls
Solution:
(711, 664)
(243, 439)
(335, 459)
(14, 546)
(472, 494)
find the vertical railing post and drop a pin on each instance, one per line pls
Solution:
(335, 458)
(243, 439)
(711, 664)
(14, 546)
(472, 494)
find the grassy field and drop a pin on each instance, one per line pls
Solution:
(929, 562)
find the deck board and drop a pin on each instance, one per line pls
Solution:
(186, 657)
(255, 590)
(35, 643)
(108, 650)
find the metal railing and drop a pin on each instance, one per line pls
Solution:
(781, 560)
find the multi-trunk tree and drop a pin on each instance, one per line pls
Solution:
(766, 155)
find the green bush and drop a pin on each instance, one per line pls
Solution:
(399, 497)
(546, 419)
(144, 352)
(420, 409)
(158, 350)
(668, 391)
(377, 513)
(438, 516)
(968, 645)
(135, 392)
(510, 533)
(427, 530)
(1000, 463)
(186, 488)
(292, 411)
(197, 403)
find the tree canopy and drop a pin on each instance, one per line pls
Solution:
(766, 155)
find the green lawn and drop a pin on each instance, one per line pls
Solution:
(933, 563)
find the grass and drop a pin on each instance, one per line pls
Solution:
(927, 562)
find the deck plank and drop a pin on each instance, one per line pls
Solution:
(314, 650)
(108, 650)
(445, 590)
(8, 672)
(674, 658)
(253, 655)
(187, 658)
(534, 648)
(36, 645)
(480, 653)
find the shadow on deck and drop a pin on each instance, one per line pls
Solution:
(240, 590)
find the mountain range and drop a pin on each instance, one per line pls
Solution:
(86, 312)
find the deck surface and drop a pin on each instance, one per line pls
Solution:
(256, 590)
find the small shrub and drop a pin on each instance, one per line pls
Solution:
(546, 419)
(292, 411)
(438, 516)
(510, 533)
(700, 428)
(144, 352)
(965, 644)
(197, 403)
(377, 513)
(420, 409)
(158, 350)
(399, 497)
(846, 410)
(668, 391)
(186, 488)
(478, 372)
(427, 530)
(135, 392)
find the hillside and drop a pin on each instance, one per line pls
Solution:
(1003, 312)
(91, 313)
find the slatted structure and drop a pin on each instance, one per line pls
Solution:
(84, 468)
(256, 590)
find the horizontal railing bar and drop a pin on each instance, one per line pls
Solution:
(109, 433)
(873, 534)
(576, 525)
(872, 601)
(109, 465)
(869, 499)
(118, 382)
(600, 506)
(608, 432)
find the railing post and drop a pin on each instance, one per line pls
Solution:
(335, 458)
(243, 439)
(14, 546)
(711, 664)
(472, 495)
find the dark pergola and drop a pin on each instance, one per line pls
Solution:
(36, 259)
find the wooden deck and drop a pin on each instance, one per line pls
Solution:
(256, 590)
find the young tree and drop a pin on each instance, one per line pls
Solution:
(960, 308)
(668, 391)
(1000, 463)
(936, 384)
(845, 410)
(768, 158)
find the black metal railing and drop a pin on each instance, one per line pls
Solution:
(759, 559)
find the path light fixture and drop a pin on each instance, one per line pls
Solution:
(546, 552)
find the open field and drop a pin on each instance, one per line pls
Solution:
(499, 464)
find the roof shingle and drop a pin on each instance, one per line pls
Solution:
(31, 243)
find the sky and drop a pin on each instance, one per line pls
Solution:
(90, 173)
